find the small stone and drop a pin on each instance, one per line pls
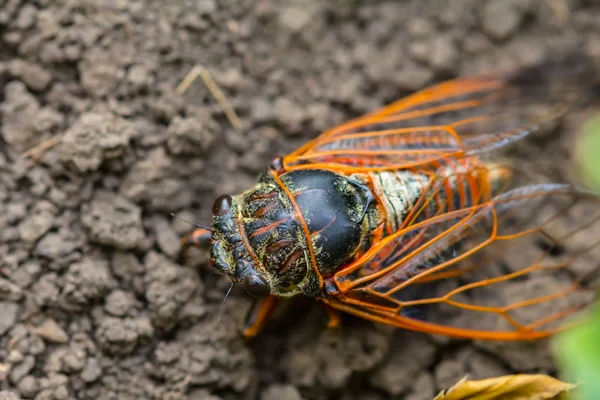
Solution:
(22, 369)
(114, 221)
(35, 226)
(53, 362)
(502, 18)
(150, 182)
(56, 380)
(423, 388)
(289, 114)
(294, 18)
(55, 246)
(528, 52)
(9, 291)
(91, 371)
(419, 27)
(61, 393)
(231, 78)
(167, 239)
(26, 18)
(592, 46)
(9, 313)
(28, 386)
(15, 356)
(16, 211)
(4, 371)
(34, 345)
(192, 135)
(6, 395)
(85, 282)
(25, 123)
(119, 303)
(412, 76)
(203, 394)
(419, 350)
(261, 110)
(117, 336)
(168, 288)
(99, 74)
(45, 290)
(204, 7)
(139, 77)
(444, 55)
(281, 392)
(93, 139)
(476, 43)
(521, 356)
(448, 372)
(26, 274)
(45, 394)
(33, 75)
(420, 50)
(167, 353)
(126, 266)
(73, 360)
(51, 331)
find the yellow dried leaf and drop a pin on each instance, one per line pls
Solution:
(510, 387)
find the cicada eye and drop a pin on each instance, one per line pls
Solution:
(256, 286)
(222, 205)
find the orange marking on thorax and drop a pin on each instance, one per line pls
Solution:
(246, 243)
(269, 227)
(303, 224)
(325, 227)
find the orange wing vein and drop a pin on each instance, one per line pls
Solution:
(488, 301)
(462, 117)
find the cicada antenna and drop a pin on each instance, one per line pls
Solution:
(192, 223)
(223, 303)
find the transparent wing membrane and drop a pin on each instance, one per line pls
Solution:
(466, 116)
(492, 249)
(511, 268)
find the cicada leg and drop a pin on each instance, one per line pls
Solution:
(258, 315)
(199, 238)
(334, 319)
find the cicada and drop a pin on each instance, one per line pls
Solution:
(414, 216)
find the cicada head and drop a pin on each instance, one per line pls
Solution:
(229, 254)
(258, 243)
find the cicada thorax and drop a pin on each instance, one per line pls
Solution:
(295, 228)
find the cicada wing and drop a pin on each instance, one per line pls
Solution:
(514, 267)
(458, 118)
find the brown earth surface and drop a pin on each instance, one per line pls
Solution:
(93, 304)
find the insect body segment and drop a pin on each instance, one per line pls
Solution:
(375, 214)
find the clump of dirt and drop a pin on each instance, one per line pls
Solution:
(94, 303)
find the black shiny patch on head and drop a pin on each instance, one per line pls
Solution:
(256, 286)
(221, 205)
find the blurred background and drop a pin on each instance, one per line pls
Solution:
(98, 147)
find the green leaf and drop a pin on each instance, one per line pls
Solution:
(578, 353)
(587, 152)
